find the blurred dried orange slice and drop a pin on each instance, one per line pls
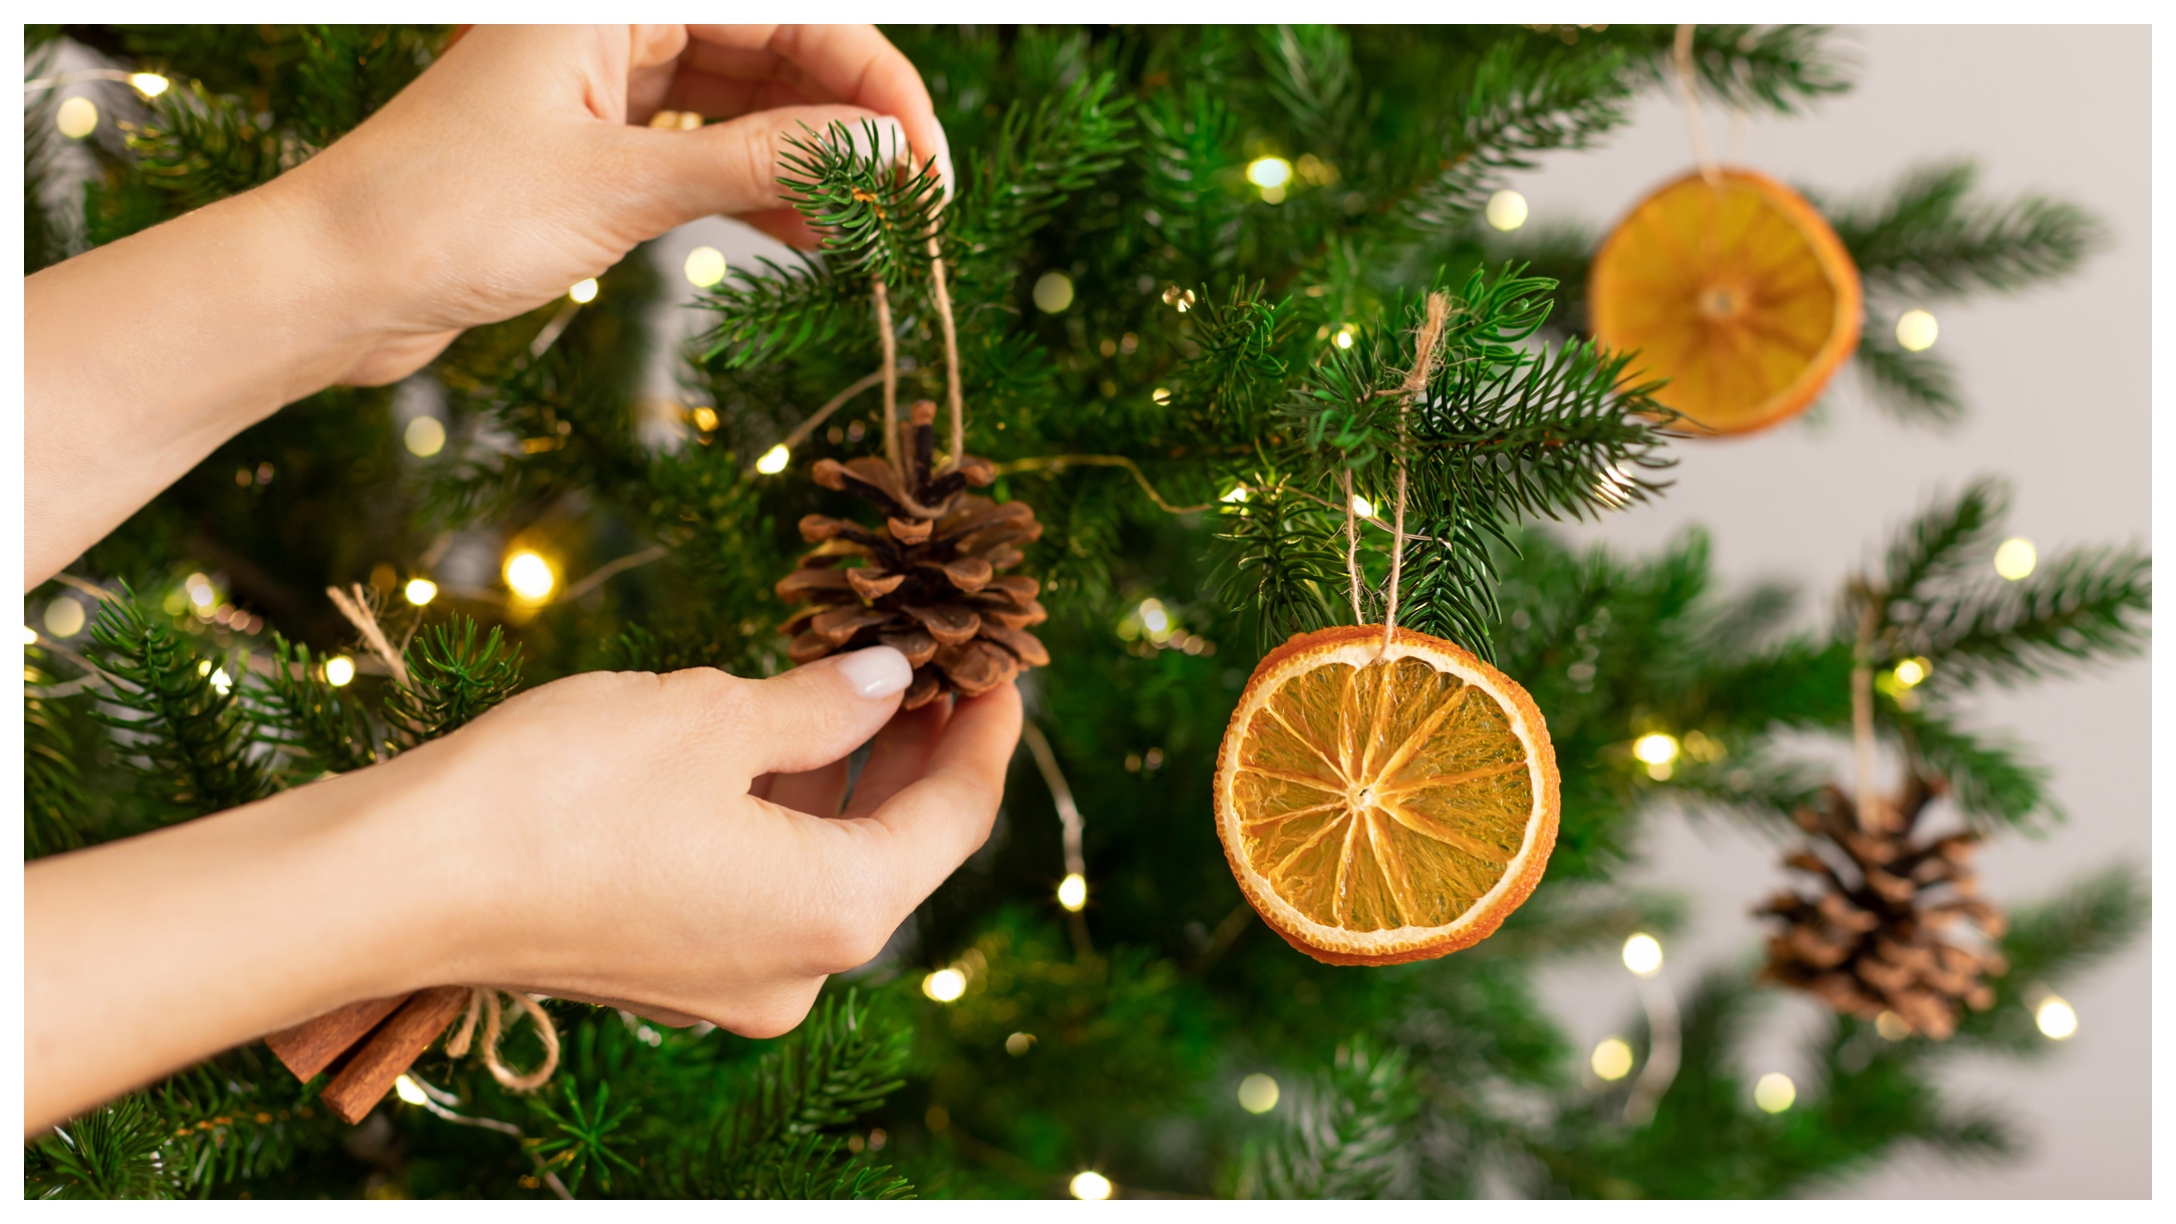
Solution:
(1740, 294)
(1382, 804)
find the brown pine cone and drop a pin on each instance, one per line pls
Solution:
(1871, 938)
(927, 582)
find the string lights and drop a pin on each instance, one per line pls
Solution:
(1643, 954)
(704, 267)
(1258, 1093)
(1506, 210)
(584, 291)
(1612, 1059)
(425, 436)
(530, 576)
(1916, 330)
(2057, 1019)
(1053, 292)
(339, 670)
(774, 460)
(1775, 1092)
(1090, 1186)
(2016, 558)
(420, 591)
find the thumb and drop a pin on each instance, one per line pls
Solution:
(818, 713)
(733, 167)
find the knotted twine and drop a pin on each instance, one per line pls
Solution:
(483, 1001)
(1426, 341)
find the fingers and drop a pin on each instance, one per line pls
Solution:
(733, 167)
(900, 755)
(814, 715)
(853, 64)
(926, 830)
(816, 792)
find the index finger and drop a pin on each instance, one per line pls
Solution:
(855, 64)
(923, 833)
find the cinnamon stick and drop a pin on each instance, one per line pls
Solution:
(391, 1050)
(312, 1045)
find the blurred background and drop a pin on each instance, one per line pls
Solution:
(2057, 387)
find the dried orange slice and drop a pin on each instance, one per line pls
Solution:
(1384, 804)
(1741, 295)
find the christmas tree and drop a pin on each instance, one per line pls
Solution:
(1173, 307)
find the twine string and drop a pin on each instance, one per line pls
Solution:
(483, 1001)
(1681, 63)
(1352, 552)
(1426, 343)
(891, 377)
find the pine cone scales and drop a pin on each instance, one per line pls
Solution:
(1872, 940)
(928, 582)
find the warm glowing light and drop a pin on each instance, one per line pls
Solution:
(76, 118)
(1091, 1185)
(1507, 210)
(1161, 395)
(339, 670)
(64, 617)
(705, 267)
(1257, 1093)
(945, 985)
(1154, 617)
(222, 681)
(2057, 1019)
(420, 591)
(1911, 671)
(1362, 506)
(530, 576)
(1643, 954)
(200, 592)
(1345, 335)
(424, 437)
(30, 636)
(1655, 748)
(774, 460)
(1891, 1026)
(1268, 172)
(1073, 892)
(149, 84)
(584, 290)
(1775, 1092)
(1237, 495)
(1612, 1059)
(1916, 330)
(1053, 292)
(408, 1091)
(2016, 558)
(705, 418)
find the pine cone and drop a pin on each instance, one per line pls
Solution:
(1871, 939)
(928, 582)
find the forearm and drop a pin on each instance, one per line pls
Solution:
(142, 356)
(145, 955)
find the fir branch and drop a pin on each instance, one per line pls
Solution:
(318, 726)
(1940, 543)
(1347, 1135)
(1280, 566)
(1042, 154)
(875, 221)
(453, 678)
(2050, 942)
(1517, 108)
(2086, 605)
(1235, 366)
(837, 1066)
(1987, 780)
(53, 798)
(112, 1152)
(1309, 71)
(582, 1140)
(1915, 388)
(189, 742)
(1927, 237)
(1783, 68)
(346, 72)
(776, 314)
(199, 147)
(1191, 145)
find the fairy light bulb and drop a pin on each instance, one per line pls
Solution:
(76, 118)
(945, 985)
(1643, 954)
(1235, 496)
(1507, 210)
(64, 617)
(1258, 1093)
(1775, 1092)
(30, 636)
(1911, 672)
(705, 266)
(2016, 558)
(1612, 1059)
(1655, 748)
(424, 437)
(1916, 330)
(2057, 1019)
(339, 670)
(1073, 892)
(530, 576)
(407, 1090)
(1090, 1185)
(1053, 292)
(149, 84)
(221, 681)
(1268, 172)
(420, 591)
(774, 460)
(584, 290)
(1362, 506)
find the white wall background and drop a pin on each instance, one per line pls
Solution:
(2057, 383)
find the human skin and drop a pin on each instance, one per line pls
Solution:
(675, 844)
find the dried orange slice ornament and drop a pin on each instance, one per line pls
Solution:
(1740, 294)
(1382, 804)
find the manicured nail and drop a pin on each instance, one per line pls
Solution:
(944, 164)
(878, 671)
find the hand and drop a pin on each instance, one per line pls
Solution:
(519, 163)
(674, 845)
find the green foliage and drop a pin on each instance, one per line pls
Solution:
(320, 728)
(1926, 238)
(189, 741)
(112, 1152)
(875, 222)
(53, 799)
(452, 678)
(1346, 1135)
(582, 1138)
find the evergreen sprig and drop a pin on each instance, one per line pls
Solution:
(582, 1139)
(1928, 238)
(53, 799)
(875, 220)
(1346, 1135)
(318, 727)
(767, 316)
(190, 742)
(115, 1151)
(453, 678)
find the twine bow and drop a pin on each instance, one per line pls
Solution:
(484, 1001)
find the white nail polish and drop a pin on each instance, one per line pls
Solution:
(878, 671)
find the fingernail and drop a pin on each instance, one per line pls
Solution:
(944, 164)
(878, 671)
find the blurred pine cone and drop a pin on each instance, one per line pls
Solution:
(1871, 938)
(927, 582)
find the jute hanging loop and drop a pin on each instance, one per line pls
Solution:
(483, 1001)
